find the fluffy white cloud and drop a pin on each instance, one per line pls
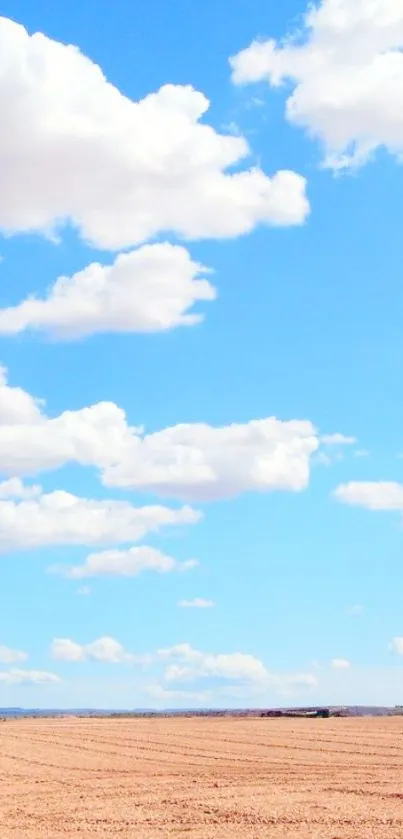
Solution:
(204, 463)
(102, 650)
(396, 645)
(193, 664)
(182, 672)
(9, 656)
(27, 677)
(340, 664)
(73, 148)
(148, 290)
(60, 518)
(31, 442)
(187, 461)
(130, 563)
(346, 68)
(244, 676)
(196, 603)
(373, 495)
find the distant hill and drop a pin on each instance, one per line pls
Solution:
(350, 710)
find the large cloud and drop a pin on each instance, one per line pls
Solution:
(60, 518)
(72, 147)
(188, 461)
(346, 68)
(182, 662)
(148, 290)
(205, 463)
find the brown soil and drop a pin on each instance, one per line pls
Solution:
(202, 779)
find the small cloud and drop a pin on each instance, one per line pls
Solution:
(255, 102)
(396, 645)
(361, 453)
(188, 564)
(340, 664)
(84, 590)
(196, 603)
(356, 610)
(338, 440)
(124, 563)
(371, 495)
(323, 459)
(232, 128)
(102, 650)
(8, 656)
(161, 694)
(28, 677)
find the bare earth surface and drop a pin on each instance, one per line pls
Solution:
(202, 778)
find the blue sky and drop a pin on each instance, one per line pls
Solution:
(222, 561)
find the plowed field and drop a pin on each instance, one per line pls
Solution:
(202, 778)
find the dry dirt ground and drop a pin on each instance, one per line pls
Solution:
(202, 779)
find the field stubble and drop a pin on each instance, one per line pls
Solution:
(202, 778)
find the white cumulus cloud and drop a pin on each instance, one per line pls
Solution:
(187, 461)
(60, 518)
(345, 66)
(126, 563)
(148, 290)
(74, 148)
(190, 664)
(31, 441)
(243, 676)
(184, 673)
(201, 462)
